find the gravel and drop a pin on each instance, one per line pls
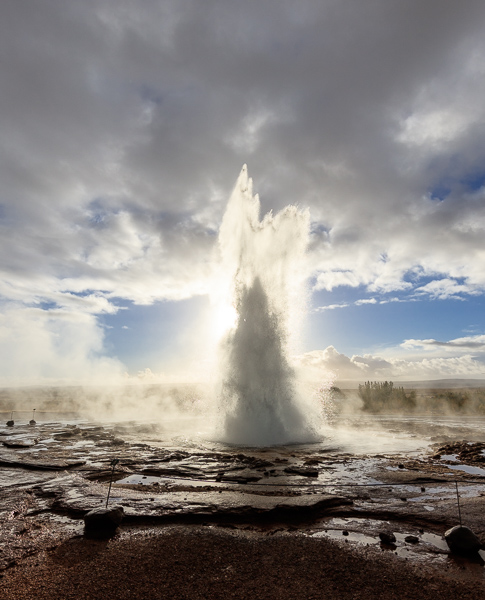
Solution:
(193, 563)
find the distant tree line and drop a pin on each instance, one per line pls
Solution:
(383, 396)
(471, 401)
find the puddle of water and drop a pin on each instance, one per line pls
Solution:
(437, 493)
(429, 543)
(352, 536)
(435, 540)
(139, 480)
(453, 457)
(468, 469)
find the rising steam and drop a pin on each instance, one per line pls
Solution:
(258, 395)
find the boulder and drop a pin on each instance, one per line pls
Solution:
(387, 537)
(103, 522)
(462, 540)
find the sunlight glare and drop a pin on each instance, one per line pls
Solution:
(224, 318)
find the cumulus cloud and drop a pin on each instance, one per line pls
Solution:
(322, 365)
(124, 127)
(447, 288)
(465, 343)
(329, 363)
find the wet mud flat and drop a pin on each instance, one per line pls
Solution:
(174, 490)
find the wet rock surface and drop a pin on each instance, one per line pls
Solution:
(56, 473)
(468, 452)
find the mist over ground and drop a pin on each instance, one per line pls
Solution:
(187, 408)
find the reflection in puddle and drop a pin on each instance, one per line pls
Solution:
(343, 529)
(468, 469)
(351, 536)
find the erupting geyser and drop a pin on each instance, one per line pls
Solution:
(259, 397)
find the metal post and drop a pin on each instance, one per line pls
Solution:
(458, 501)
(113, 464)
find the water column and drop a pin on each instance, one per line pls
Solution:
(259, 398)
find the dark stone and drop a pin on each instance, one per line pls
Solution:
(387, 537)
(103, 522)
(10, 423)
(462, 540)
(411, 539)
(345, 532)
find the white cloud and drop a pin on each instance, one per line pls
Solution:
(446, 363)
(464, 344)
(53, 346)
(434, 128)
(365, 301)
(329, 280)
(447, 288)
(360, 302)
(322, 364)
(331, 307)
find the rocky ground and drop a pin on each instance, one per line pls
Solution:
(203, 521)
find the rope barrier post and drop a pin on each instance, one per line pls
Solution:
(113, 464)
(458, 501)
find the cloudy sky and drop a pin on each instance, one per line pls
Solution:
(124, 125)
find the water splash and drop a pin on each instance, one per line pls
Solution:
(259, 397)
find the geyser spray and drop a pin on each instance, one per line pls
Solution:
(259, 398)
